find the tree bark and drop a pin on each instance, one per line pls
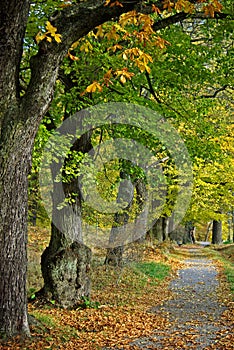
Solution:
(157, 231)
(14, 169)
(65, 263)
(114, 254)
(217, 232)
(15, 150)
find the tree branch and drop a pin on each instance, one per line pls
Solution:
(13, 20)
(73, 22)
(223, 88)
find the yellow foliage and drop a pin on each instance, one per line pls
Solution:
(155, 9)
(184, 5)
(112, 35)
(92, 88)
(72, 57)
(161, 43)
(128, 18)
(51, 32)
(211, 8)
(131, 53)
(168, 5)
(107, 77)
(100, 33)
(115, 47)
(86, 47)
(116, 3)
(124, 74)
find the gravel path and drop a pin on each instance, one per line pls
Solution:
(193, 312)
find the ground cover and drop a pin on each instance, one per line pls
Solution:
(126, 305)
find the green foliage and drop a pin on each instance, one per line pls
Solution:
(88, 304)
(176, 72)
(229, 271)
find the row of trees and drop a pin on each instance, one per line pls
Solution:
(168, 56)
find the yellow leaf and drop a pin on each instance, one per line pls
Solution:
(209, 10)
(123, 79)
(184, 5)
(156, 9)
(116, 3)
(128, 18)
(142, 65)
(57, 37)
(51, 32)
(146, 58)
(168, 5)
(75, 44)
(124, 74)
(160, 42)
(112, 35)
(40, 37)
(115, 47)
(99, 33)
(72, 57)
(107, 77)
(132, 53)
(86, 47)
(93, 87)
(51, 29)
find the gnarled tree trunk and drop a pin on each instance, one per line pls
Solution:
(66, 261)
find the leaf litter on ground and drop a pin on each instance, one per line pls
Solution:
(123, 315)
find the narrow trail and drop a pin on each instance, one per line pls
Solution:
(194, 312)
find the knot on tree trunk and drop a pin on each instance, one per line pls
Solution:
(66, 274)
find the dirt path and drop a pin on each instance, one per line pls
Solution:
(194, 312)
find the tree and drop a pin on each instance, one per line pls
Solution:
(21, 114)
(25, 97)
(217, 232)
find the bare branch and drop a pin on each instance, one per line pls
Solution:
(223, 88)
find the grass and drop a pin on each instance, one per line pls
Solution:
(225, 254)
(153, 270)
(229, 272)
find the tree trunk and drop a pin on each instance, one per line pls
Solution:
(189, 234)
(14, 167)
(66, 261)
(164, 228)
(209, 228)
(157, 230)
(217, 232)
(114, 254)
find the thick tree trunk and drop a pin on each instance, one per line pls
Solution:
(157, 231)
(217, 232)
(66, 261)
(14, 167)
